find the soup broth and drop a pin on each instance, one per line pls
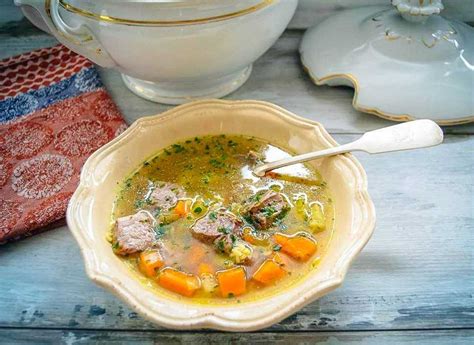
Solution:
(194, 221)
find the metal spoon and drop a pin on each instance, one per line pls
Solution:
(406, 136)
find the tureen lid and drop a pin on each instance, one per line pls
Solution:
(405, 61)
(162, 12)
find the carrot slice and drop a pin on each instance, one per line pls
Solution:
(299, 246)
(205, 268)
(149, 261)
(182, 208)
(232, 282)
(269, 272)
(179, 282)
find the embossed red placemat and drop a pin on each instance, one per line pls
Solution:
(54, 112)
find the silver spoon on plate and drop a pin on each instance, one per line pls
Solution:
(406, 136)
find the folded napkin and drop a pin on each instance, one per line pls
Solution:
(54, 112)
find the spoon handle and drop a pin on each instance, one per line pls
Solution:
(405, 136)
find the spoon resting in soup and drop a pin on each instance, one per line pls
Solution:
(194, 221)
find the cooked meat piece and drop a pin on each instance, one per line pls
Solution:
(134, 233)
(264, 208)
(216, 224)
(165, 195)
(254, 157)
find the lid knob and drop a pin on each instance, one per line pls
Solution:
(417, 11)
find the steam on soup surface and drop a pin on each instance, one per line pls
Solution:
(194, 221)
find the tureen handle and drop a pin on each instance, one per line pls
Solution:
(418, 10)
(79, 38)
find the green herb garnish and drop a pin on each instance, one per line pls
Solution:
(159, 231)
(178, 148)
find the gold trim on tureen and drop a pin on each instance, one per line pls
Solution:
(135, 22)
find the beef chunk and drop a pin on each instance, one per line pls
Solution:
(264, 208)
(165, 195)
(134, 233)
(216, 224)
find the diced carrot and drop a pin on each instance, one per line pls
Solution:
(179, 282)
(182, 208)
(298, 246)
(149, 261)
(248, 238)
(205, 268)
(232, 282)
(269, 272)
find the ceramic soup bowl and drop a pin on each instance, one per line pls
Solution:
(90, 210)
(168, 51)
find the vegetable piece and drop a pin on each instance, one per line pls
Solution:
(317, 222)
(179, 282)
(241, 252)
(205, 268)
(300, 206)
(232, 282)
(268, 272)
(168, 218)
(149, 261)
(209, 282)
(199, 208)
(249, 236)
(300, 246)
(182, 208)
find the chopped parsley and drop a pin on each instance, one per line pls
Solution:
(139, 203)
(276, 248)
(268, 211)
(220, 245)
(159, 231)
(206, 178)
(198, 210)
(212, 215)
(224, 230)
(216, 163)
(178, 148)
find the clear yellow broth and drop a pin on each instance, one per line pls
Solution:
(216, 169)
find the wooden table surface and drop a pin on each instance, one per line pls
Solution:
(413, 282)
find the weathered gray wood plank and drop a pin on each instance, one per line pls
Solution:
(277, 77)
(416, 272)
(38, 337)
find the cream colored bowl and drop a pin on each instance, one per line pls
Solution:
(90, 210)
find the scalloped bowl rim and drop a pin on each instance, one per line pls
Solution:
(212, 319)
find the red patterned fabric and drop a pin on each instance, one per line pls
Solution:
(54, 113)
